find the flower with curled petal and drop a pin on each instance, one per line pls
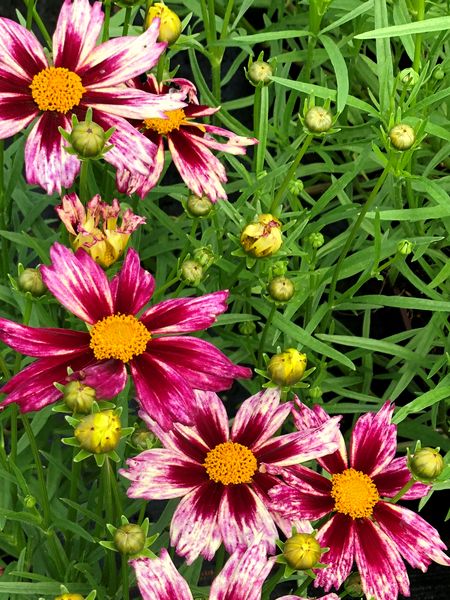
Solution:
(165, 364)
(364, 526)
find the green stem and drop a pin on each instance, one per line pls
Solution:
(84, 190)
(271, 583)
(226, 19)
(291, 172)
(418, 39)
(105, 34)
(408, 485)
(75, 477)
(30, 6)
(37, 19)
(160, 68)
(304, 586)
(126, 22)
(262, 119)
(105, 500)
(45, 503)
(125, 582)
(3, 214)
(262, 341)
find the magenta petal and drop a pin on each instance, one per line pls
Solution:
(383, 573)
(338, 535)
(200, 363)
(129, 183)
(131, 103)
(417, 541)
(132, 287)
(211, 419)
(158, 579)
(393, 478)
(108, 377)
(40, 342)
(162, 392)
(21, 54)
(79, 283)
(78, 27)
(17, 110)
(374, 441)
(46, 161)
(194, 529)
(184, 315)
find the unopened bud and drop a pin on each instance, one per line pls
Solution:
(247, 328)
(316, 240)
(438, 73)
(263, 237)
(353, 586)
(198, 206)
(315, 393)
(99, 432)
(302, 551)
(402, 136)
(144, 439)
(191, 272)
(29, 501)
(170, 24)
(129, 539)
(204, 256)
(404, 247)
(260, 72)
(79, 397)
(288, 367)
(296, 187)
(409, 77)
(281, 289)
(318, 120)
(87, 139)
(426, 464)
(30, 280)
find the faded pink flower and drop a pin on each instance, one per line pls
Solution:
(189, 142)
(363, 528)
(221, 474)
(165, 364)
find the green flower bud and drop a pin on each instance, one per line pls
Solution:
(260, 72)
(402, 136)
(143, 439)
(204, 256)
(87, 139)
(438, 73)
(296, 187)
(170, 24)
(281, 289)
(191, 272)
(404, 247)
(199, 206)
(31, 281)
(99, 432)
(315, 393)
(129, 539)
(29, 501)
(318, 120)
(426, 464)
(302, 551)
(79, 397)
(409, 77)
(288, 367)
(353, 586)
(247, 328)
(316, 240)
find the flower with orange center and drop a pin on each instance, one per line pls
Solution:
(166, 364)
(364, 525)
(81, 76)
(221, 475)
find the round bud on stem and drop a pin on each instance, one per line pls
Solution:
(87, 139)
(191, 272)
(404, 247)
(302, 551)
(318, 120)
(281, 289)
(31, 281)
(198, 206)
(402, 136)
(353, 586)
(129, 539)
(426, 464)
(316, 240)
(260, 72)
(79, 397)
(170, 24)
(287, 368)
(99, 432)
(296, 187)
(247, 328)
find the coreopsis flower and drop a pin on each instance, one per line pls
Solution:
(262, 237)
(95, 229)
(80, 75)
(241, 578)
(363, 528)
(165, 364)
(189, 142)
(221, 475)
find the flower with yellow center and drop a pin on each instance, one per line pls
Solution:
(230, 463)
(355, 493)
(175, 119)
(119, 336)
(57, 88)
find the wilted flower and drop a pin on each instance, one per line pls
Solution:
(363, 527)
(263, 237)
(189, 142)
(222, 476)
(82, 75)
(170, 24)
(166, 365)
(96, 229)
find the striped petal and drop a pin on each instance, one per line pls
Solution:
(236, 144)
(132, 287)
(107, 377)
(194, 529)
(78, 27)
(383, 573)
(17, 110)
(417, 541)
(46, 162)
(79, 283)
(393, 477)
(184, 315)
(129, 183)
(132, 103)
(120, 59)
(374, 441)
(42, 342)
(21, 54)
(211, 419)
(338, 535)
(158, 579)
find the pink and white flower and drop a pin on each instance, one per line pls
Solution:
(190, 143)
(241, 578)
(82, 75)
(165, 364)
(363, 527)
(222, 476)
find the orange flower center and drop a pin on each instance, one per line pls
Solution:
(119, 336)
(175, 118)
(230, 463)
(354, 493)
(57, 88)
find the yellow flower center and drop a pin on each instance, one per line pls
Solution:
(230, 463)
(354, 493)
(119, 336)
(57, 88)
(175, 118)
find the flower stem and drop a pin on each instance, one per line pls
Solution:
(262, 341)
(30, 6)
(418, 39)
(105, 34)
(126, 22)
(84, 190)
(271, 583)
(408, 485)
(291, 172)
(125, 582)
(261, 125)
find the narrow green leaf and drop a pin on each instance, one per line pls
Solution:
(427, 26)
(340, 70)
